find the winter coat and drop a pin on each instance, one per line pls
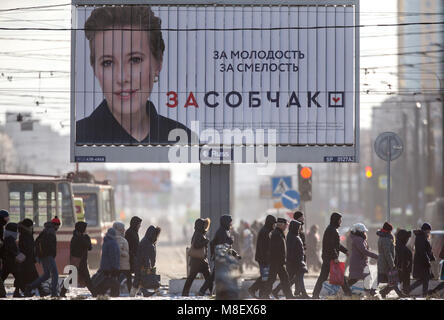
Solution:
(110, 260)
(10, 249)
(132, 236)
(199, 240)
(26, 245)
(278, 248)
(146, 253)
(263, 241)
(330, 241)
(295, 248)
(403, 260)
(386, 252)
(359, 256)
(49, 240)
(422, 257)
(2, 226)
(222, 235)
(123, 245)
(80, 245)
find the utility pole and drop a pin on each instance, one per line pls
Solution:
(430, 184)
(405, 165)
(416, 164)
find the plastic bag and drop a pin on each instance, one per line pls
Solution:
(337, 271)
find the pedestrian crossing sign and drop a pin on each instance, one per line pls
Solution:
(280, 185)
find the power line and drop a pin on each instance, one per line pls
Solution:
(36, 7)
(231, 29)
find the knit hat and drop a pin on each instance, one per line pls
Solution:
(426, 226)
(387, 226)
(56, 221)
(4, 214)
(80, 226)
(111, 233)
(11, 227)
(297, 215)
(28, 223)
(281, 220)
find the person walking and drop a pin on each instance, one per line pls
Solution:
(422, 259)
(146, 258)
(358, 268)
(296, 265)
(79, 246)
(312, 253)
(27, 270)
(110, 264)
(299, 216)
(278, 255)
(331, 246)
(440, 286)
(199, 241)
(125, 269)
(10, 257)
(403, 259)
(222, 236)
(262, 256)
(132, 236)
(386, 259)
(4, 219)
(46, 248)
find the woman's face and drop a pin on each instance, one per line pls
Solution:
(125, 68)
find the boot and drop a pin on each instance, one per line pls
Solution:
(134, 291)
(17, 294)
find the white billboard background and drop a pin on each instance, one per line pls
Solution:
(193, 34)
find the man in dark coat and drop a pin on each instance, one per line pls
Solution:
(222, 236)
(27, 270)
(9, 256)
(110, 264)
(296, 265)
(48, 240)
(262, 256)
(330, 251)
(278, 255)
(403, 259)
(4, 218)
(299, 216)
(422, 259)
(197, 265)
(146, 257)
(132, 236)
(79, 247)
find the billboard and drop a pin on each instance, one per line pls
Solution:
(161, 75)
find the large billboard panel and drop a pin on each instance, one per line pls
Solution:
(222, 74)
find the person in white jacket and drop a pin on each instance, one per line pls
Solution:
(124, 253)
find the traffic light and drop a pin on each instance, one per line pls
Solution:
(304, 179)
(368, 172)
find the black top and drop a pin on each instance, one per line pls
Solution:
(102, 128)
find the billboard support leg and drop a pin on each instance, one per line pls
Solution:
(214, 193)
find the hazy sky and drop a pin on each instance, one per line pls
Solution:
(23, 55)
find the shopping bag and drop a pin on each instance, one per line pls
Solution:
(337, 271)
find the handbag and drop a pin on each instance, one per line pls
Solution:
(149, 279)
(97, 279)
(393, 277)
(20, 257)
(197, 253)
(337, 271)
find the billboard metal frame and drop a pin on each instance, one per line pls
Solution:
(284, 154)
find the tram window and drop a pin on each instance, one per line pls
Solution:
(65, 201)
(107, 217)
(90, 205)
(14, 206)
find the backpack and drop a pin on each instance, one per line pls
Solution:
(39, 245)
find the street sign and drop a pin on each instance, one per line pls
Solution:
(291, 199)
(388, 147)
(280, 184)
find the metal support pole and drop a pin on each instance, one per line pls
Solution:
(388, 178)
(214, 193)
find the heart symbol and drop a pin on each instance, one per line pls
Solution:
(336, 99)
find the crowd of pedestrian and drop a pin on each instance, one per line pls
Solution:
(123, 257)
(277, 252)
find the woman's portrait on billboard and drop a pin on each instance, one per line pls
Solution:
(126, 54)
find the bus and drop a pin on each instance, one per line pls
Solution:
(41, 198)
(99, 208)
